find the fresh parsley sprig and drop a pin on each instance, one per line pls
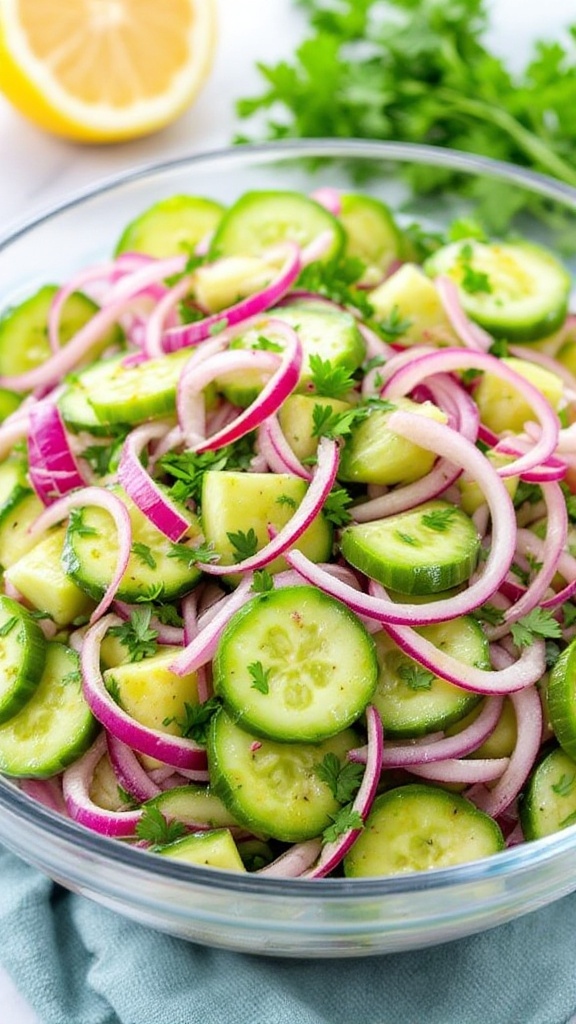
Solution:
(155, 829)
(343, 780)
(540, 622)
(136, 635)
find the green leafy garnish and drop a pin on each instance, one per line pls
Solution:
(150, 593)
(196, 721)
(337, 280)
(285, 499)
(113, 688)
(393, 327)
(168, 615)
(192, 555)
(540, 622)
(262, 582)
(343, 780)
(439, 519)
(472, 281)
(136, 634)
(188, 468)
(154, 828)
(415, 677)
(490, 614)
(342, 822)
(328, 423)
(329, 380)
(72, 678)
(421, 71)
(144, 553)
(260, 676)
(8, 625)
(76, 524)
(245, 544)
(407, 538)
(104, 457)
(336, 507)
(569, 613)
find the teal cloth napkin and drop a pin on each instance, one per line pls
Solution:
(79, 963)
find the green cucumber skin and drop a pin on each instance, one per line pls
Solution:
(28, 666)
(544, 811)
(180, 219)
(49, 732)
(193, 805)
(561, 700)
(329, 694)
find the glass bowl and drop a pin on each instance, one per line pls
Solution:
(332, 917)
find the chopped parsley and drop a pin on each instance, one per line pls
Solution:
(196, 721)
(144, 553)
(260, 676)
(394, 326)
(343, 780)
(77, 526)
(416, 677)
(540, 622)
(345, 820)
(439, 519)
(245, 544)
(336, 507)
(262, 581)
(154, 828)
(329, 380)
(136, 634)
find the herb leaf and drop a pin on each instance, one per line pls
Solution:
(144, 553)
(540, 622)
(416, 677)
(260, 676)
(196, 719)
(136, 634)
(154, 828)
(245, 544)
(342, 779)
(345, 819)
(329, 380)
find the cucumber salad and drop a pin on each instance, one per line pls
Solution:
(287, 497)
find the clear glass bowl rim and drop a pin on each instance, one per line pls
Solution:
(523, 858)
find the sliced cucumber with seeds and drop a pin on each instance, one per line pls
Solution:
(22, 657)
(426, 550)
(259, 220)
(561, 700)
(332, 335)
(238, 508)
(416, 828)
(55, 727)
(274, 789)
(516, 290)
(75, 402)
(24, 329)
(215, 849)
(548, 802)
(171, 226)
(193, 805)
(411, 700)
(157, 573)
(374, 454)
(371, 234)
(133, 394)
(295, 665)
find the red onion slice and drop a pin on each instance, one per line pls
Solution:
(310, 506)
(129, 772)
(157, 506)
(276, 450)
(529, 736)
(333, 853)
(484, 769)
(294, 861)
(76, 782)
(470, 334)
(173, 750)
(53, 469)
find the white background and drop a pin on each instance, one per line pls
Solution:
(36, 170)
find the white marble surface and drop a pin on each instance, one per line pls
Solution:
(36, 170)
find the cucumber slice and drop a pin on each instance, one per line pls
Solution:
(516, 290)
(56, 725)
(259, 220)
(22, 657)
(151, 694)
(171, 226)
(19, 512)
(416, 828)
(90, 558)
(193, 805)
(75, 402)
(412, 701)
(9, 402)
(236, 503)
(41, 579)
(24, 329)
(212, 849)
(296, 416)
(295, 664)
(13, 483)
(371, 234)
(503, 407)
(502, 740)
(408, 301)
(423, 551)
(133, 394)
(374, 454)
(561, 700)
(548, 803)
(331, 334)
(273, 788)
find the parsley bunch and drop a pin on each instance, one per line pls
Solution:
(420, 71)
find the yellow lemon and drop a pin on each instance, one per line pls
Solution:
(104, 70)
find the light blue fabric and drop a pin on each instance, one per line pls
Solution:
(78, 963)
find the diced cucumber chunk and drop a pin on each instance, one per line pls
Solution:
(501, 405)
(374, 454)
(17, 516)
(561, 700)
(42, 580)
(408, 301)
(428, 549)
(259, 220)
(215, 849)
(332, 335)
(9, 402)
(13, 484)
(55, 727)
(296, 417)
(22, 657)
(151, 694)
(417, 828)
(91, 552)
(471, 494)
(237, 503)
(412, 701)
(371, 234)
(295, 665)
(223, 283)
(134, 394)
(502, 740)
(516, 290)
(274, 789)
(194, 806)
(548, 803)
(24, 329)
(172, 226)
